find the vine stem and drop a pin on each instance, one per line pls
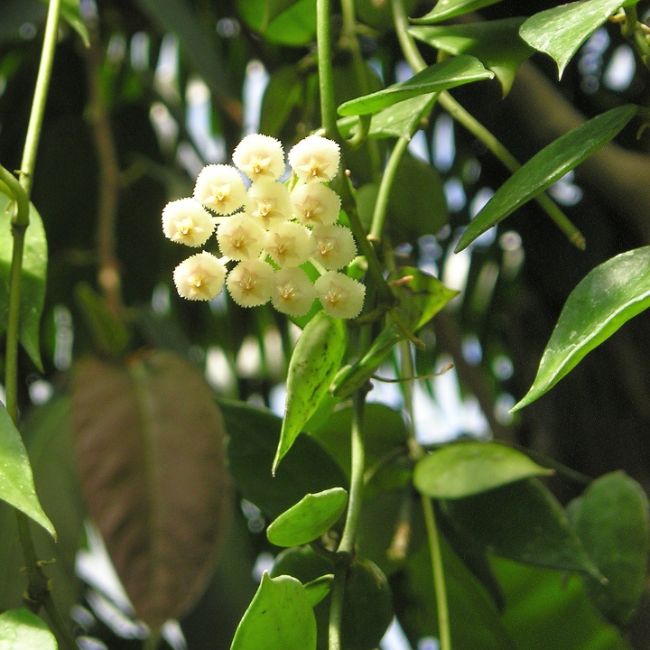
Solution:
(38, 592)
(325, 70)
(478, 130)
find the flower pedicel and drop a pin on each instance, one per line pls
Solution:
(265, 233)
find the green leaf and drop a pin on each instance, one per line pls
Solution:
(549, 609)
(317, 590)
(152, 471)
(308, 519)
(32, 293)
(280, 616)
(282, 94)
(314, 363)
(295, 25)
(466, 468)
(473, 617)
(524, 522)
(71, 13)
(546, 167)
(253, 435)
(20, 630)
(272, 9)
(605, 299)
(16, 479)
(451, 73)
(611, 520)
(401, 119)
(446, 9)
(560, 31)
(496, 43)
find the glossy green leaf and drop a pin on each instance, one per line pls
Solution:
(150, 452)
(446, 9)
(496, 43)
(314, 362)
(280, 616)
(293, 25)
(524, 522)
(560, 31)
(611, 520)
(16, 479)
(253, 435)
(549, 609)
(473, 617)
(308, 519)
(605, 299)
(317, 590)
(20, 629)
(466, 468)
(401, 119)
(451, 73)
(33, 277)
(546, 167)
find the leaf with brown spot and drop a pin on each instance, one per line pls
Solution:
(151, 462)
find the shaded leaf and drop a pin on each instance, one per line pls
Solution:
(16, 479)
(546, 167)
(496, 43)
(523, 522)
(308, 519)
(451, 73)
(32, 294)
(70, 12)
(446, 9)
(152, 472)
(253, 435)
(549, 609)
(20, 629)
(466, 468)
(282, 94)
(603, 301)
(402, 118)
(280, 616)
(318, 589)
(473, 617)
(314, 362)
(611, 520)
(560, 31)
(294, 26)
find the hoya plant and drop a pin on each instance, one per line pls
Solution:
(311, 319)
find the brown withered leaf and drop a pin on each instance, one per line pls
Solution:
(150, 448)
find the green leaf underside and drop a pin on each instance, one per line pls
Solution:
(279, 616)
(611, 520)
(496, 43)
(445, 9)
(34, 273)
(16, 479)
(150, 450)
(467, 468)
(451, 73)
(560, 31)
(318, 589)
(308, 519)
(546, 167)
(20, 629)
(522, 521)
(253, 435)
(608, 296)
(315, 361)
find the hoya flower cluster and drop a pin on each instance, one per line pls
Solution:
(266, 232)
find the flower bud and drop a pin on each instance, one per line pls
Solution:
(241, 237)
(293, 293)
(199, 277)
(220, 188)
(260, 157)
(315, 204)
(250, 283)
(186, 222)
(334, 246)
(289, 244)
(268, 202)
(341, 296)
(315, 159)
